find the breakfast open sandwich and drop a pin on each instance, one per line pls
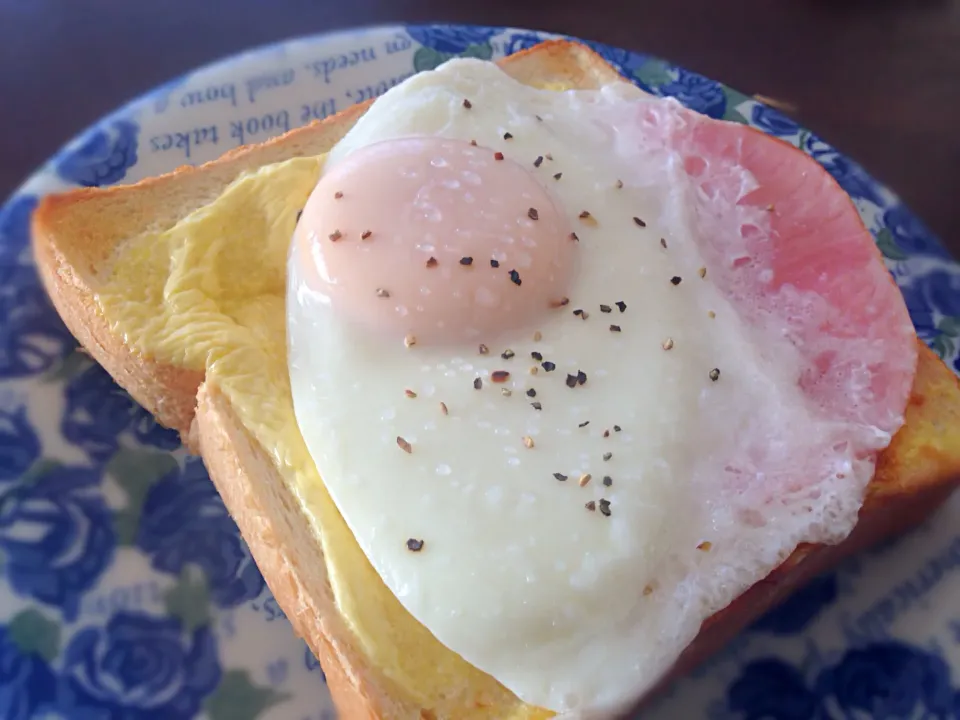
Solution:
(527, 389)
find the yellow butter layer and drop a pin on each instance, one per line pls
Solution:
(208, 294)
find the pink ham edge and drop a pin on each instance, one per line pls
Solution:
(808, 270)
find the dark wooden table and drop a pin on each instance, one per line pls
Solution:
(880, 79)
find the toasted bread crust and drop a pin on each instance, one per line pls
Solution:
(273, 526)
(69, 255)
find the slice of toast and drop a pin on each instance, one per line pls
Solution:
(75, 234)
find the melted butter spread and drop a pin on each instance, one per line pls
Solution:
(208, 294)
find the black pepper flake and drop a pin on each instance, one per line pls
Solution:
(536, 356)
(573, 236)
(483, 349)
(498, 155)
(715, 374)
(383, 293)
(614, 328)
(607, 480)
(619, 184)
(639, 222)
(499, 376)
(473, 142)
(663, 243)
(548, 366)
(536, 406)
(591, 506)
(337, 195)
(299, 214)
(621, 305)
(467, 104)
(413, 544)
(676, 280)
(584, 424)
(494, 263)
(538, 162)
(466, 261)
(606, 309)
(585, 215)
(335, 235)
(581, 377)
(514, 277)
(607, 456)
(432, 262)
(578, 312)
(507, 136)
(557, 176)
(531, 393)
(404, 445)
(604, 507)
(571, 381)
(617, 428)
(365, 234)
(539, 119)
(606, 433)
(477, 383)
(560, 476)
(507, 354)
(533, 214)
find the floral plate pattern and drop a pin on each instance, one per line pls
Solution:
(126, 590)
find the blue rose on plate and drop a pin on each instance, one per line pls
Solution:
(850, 176)
(139, 667)
(888, 680)
(56, 536)
(451, 38)
(15, 226)
(19, 444)
(98, 411)
(696, 92)
(770, 689)
(184, 521)
(910, 234)
(148, 431)
(520, 41)
(933, 294)
(27, 684)
(32, 337)
(773, 121)
(103, 155)
(797, 611)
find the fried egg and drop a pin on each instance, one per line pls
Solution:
(521, 366)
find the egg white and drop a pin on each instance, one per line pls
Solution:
(565, 606)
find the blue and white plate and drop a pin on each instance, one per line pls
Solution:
(126, 590)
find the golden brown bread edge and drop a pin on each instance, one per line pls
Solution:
(70, 243)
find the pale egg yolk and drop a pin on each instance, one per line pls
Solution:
(435, 240)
